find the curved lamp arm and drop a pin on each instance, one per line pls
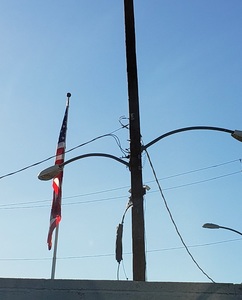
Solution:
(54, 170)
(237, 134)
(215, 226)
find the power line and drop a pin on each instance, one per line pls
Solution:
(111, 134)
(173, 221)
(125, 253)
(200, 169)
(67, 197)
(22, 205)
(202, 181)
(66, 204)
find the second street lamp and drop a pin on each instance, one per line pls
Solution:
(216, 226)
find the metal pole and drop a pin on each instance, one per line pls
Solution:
(54, 253)
(235, 133)
(137, 190)
(231, 229)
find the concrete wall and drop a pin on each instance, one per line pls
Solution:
(41, 289)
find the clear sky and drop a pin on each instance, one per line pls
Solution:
(189, 56)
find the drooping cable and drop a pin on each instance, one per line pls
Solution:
(172, 219)
(97, 138)
(125, 274)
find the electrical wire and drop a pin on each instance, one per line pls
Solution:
(99, 137)
(111, 134)
(173, 221)
(126, 253)
(125, 274)
(202, 181)
(63, 204)
(201, 169)
(21, 205)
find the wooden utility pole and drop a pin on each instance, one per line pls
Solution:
(137, 190)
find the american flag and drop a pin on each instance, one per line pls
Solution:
(55, 215)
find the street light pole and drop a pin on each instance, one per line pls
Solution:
(137, 190)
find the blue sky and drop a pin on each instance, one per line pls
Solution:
(189, 56)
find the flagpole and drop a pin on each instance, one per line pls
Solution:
(54, 253)
(57, 227)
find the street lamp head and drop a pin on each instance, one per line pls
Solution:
(211, 226)
(237, 134)
(50, 173)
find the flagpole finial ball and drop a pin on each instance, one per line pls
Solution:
(68, 95)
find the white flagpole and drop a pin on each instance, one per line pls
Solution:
(54, 253)
(57, 228)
